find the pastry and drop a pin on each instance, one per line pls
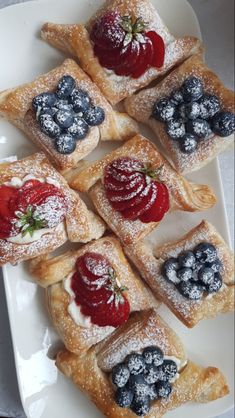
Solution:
(193, 276)
(90, 292)
(191, 112)
(122, 375)
(65, 114)
(39, 212)
(123, 47)
(133, 187)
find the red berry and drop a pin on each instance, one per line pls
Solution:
(29, 184)
(130, 200)
(111, 315)
(146, 55)
(159, 49)
(36, 196)
(8, 194)
(7, 229)
(107, 32)
(141, 206)
(159, 206)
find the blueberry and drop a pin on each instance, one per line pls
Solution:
(192, 110)
(135, 363)
(187, 259)
(48, 125)
(163, 389)
(63, 105)
(79, 129)
(168, 370)
(64, 118)
(192, 89)
(120, 375)
(205, 252)
(138, 385)
(206, 275)
(141, 407)
(185, 274)
(216, 265)
(188, 144)
(94, 116)
(177, 97)
(169, 270)
(209, 105)
(46, 111)
(153, 392)
(223, 124)
(65, 144)
(124, 397)
(190, 290)
(151, 374)
(44, 100)
(65, 86)
(176, 129)
(164, 110)
(80, 100)
(216, 285)
(153, 355)
(199, 128)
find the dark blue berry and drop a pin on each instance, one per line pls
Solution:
(124, 397)
(94, 116)
(205, 252)
(46, 111)
(153, 355)
(164, 110)
(188, 144)
(169, 270)
(120, 375)
(206, 275)
(216, 265)
(192, 89)
(153, 392)
(185, 274)
(64, 118)
(177, 97)
(163, 389)
(79, 129)
(151, 374)
(223, 124)
(190, 290)
(168, 370)
(80, 100)
(215, 285)
(65, 144)
(192, 110)
(176, 129)
(65, 86)
(199, 128)
(138, 385)
(62, 105)
(141, 407)
(187, 259)
(209, 105)
(48, 126)
(44, 100)
(135, 363)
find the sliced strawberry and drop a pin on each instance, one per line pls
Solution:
(107, 31)
(112, 184)
(30, 184)
(36, 196)
(127, 194)
(121, 206)
(7, 194)
(7, 229)
(107, 59)
(146, 61)
(159, 49)
(159, 207)
(122, 177)
(96, 264)
(89, 297)
(142, 205)
(111, 314)
(125, 68)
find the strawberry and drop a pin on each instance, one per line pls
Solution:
(112, 315)
(7, 195)
(7, 229)
(124, 45)
(35, 196)
(132, 190)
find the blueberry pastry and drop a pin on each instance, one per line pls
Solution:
(123, 47)
(134, 188)
(191, 112)
(39, 212)
(91, 292)
(193, 276)
(65, 114)
(141, 370)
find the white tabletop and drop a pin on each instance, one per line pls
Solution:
(217, 23)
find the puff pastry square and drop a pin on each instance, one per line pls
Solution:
(190, 312)
(80, 224)
(91, 372)
(140, 106)
(184, 195)
(75, 40)
(16, 106)
(51, 273)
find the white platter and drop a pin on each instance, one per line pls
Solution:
(45, 393)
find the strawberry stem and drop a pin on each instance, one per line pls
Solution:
(28, 222)
(133, 29)
(148, 171)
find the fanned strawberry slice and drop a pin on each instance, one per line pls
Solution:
(159, 49)
(125, 68)
(8, 194)
(159, 206)
(119, 186)
(29, 184)
(91, 298)
(124, 205)
(147, 58)
(126, 194)
(107, 32)
(36, 196)
(137, 210)
(108, 60)
(110, 315)
(7, 229)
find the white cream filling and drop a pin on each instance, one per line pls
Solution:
(17, 182)
(73, 309)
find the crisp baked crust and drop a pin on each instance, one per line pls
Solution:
(51, 273)
(80, 225)
(75, 39)
(184, 195)
(140, 106)
(188, 311)
(88, 372)
(16, 106)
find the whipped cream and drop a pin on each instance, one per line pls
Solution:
(73, 309)
(17, 182)
(27, 239)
